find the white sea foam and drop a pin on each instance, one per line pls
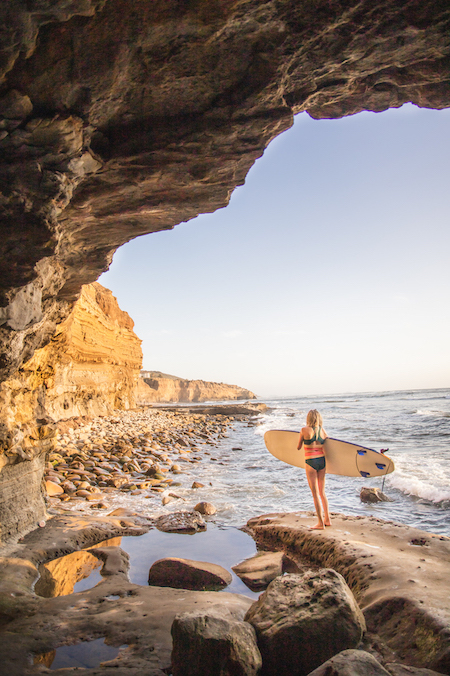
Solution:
(431, 412)
(413, 485)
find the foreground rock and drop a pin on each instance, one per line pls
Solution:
(398, 574)
(351, 663)
(406, 670)
(188, 574)
(303, 620)
(377, 558)
(262, 568)
(214, 644)
(362, 663)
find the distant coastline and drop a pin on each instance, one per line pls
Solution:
(154, 386)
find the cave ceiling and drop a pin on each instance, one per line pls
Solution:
(122, 118)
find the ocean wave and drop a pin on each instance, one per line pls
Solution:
(420, 489)
(431, 412)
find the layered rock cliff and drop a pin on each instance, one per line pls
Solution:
(154, 386)
(121, 118)
(90, 367)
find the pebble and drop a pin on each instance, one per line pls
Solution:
(135, 452)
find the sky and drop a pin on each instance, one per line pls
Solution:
(328, 272)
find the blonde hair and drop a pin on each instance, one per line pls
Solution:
(313, 419)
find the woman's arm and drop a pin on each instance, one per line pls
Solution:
(300, 441)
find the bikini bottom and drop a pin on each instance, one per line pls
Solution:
(316, 463)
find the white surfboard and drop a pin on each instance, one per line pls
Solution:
(342, 457)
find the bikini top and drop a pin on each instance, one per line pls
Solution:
(316, 438)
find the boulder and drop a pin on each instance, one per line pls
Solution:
(213, 644)
(259, 570)
(373, 495)
(187, 574)
(205, 508)
(351, 663)
(404, 670)
(180, 522)
(303, 620)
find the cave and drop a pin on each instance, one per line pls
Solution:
(121, 119)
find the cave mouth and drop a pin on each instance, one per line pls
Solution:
(359, 194)
(119, 120)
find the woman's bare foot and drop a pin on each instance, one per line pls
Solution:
(328, 524)
(318, 526)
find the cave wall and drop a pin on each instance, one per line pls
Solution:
(122, 118)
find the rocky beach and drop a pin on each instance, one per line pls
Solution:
(135, 451)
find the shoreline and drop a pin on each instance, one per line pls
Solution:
(139, 452)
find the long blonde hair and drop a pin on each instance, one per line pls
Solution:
(314, 419)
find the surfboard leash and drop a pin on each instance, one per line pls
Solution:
(385, 450)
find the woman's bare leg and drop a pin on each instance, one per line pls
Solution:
(312, 477)
(321, 490)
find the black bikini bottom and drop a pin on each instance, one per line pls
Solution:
(316, 463)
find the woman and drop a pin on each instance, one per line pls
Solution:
(313, 437)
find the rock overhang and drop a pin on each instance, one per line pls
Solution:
(119, 120)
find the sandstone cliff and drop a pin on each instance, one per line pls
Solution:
(90, 367)
(159, 387)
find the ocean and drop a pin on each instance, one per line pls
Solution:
(244, 480)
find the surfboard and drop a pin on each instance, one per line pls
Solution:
(342, 457)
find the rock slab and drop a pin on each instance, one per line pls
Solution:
(303, 620)
(187, 574)
(213, 644)
(259, 570)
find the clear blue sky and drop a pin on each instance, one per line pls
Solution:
(328, 271)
